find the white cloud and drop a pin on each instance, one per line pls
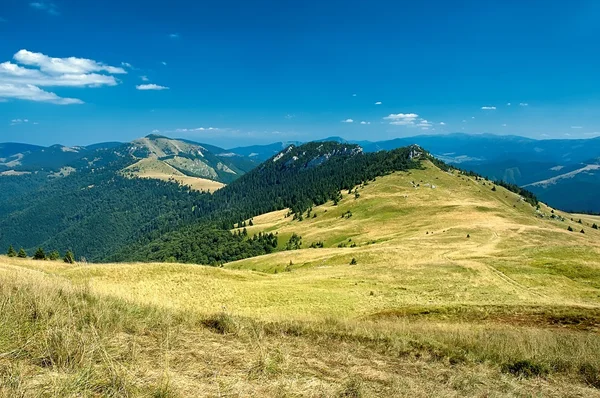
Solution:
(195, 129)
(354, 95)
(424, 123)
(523, 104)
(127, 65)
(442, 124)
(174, 35)
(164, 63)
(20, 121)
(151, 87)
(290, 116)
(488, 108)
(20, 82)
(378, 103)
(348, 121)
(48, 7)
(363, 122)
(155, 131)
(472, 117)
(402, 119)
(33, 93)
(64, 65)
(508, 104)
(576, 127)
(544, 135)
(144, 78)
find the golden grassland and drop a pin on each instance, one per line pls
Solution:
(511, 310)
(156, 169)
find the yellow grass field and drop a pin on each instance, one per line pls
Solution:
(159, 170)
(456, 290)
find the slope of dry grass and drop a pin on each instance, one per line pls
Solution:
(512, 310)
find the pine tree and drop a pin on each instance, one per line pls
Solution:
(39, 254)
(22, 253)
(595, 226)
(69, 257)
(55, 255)
(11, 251)
(570, 229)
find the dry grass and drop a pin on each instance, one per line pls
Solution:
(513, 310)
(159, 170)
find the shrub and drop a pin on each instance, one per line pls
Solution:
(595, 226)
(590, 374)
(220, 323)
(570, 229)
(54, 256)
(525, 368)
(39, 254)
(353, 261)
(69, 257)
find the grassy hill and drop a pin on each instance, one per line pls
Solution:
(156, 169)
(458, 289)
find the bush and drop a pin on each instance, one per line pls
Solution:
(570, 229)
(353, 261)
(220, 323)
(39, 254)
(595, 226)
(525, 368)
(54, 256)
(69, 257)
(591, 374)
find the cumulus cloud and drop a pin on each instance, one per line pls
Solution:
(354, 95)
(508, 104)
(348, 121)
(22, 80)
(378, 103)
(488, 108)
(30, 92)
(155, 131)
(151, 86)
(402, 119)
(164, 63)
(442, 124)
(44, 6)
(363, 122)
(64, 65)
(144, 78)
(523, 104)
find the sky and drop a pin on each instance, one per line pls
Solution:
(238, 72)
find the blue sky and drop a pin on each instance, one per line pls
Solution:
(240, 72)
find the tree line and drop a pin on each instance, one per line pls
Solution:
(40, 254)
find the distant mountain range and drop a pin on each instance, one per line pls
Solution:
(563, 173)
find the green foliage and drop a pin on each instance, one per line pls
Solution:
(525, 368)
(570, 229)
(317, 245)
(11, 251)
(353, 261)
(494, 188)
(39, 254)
(69, 257)
(22, 253)
(294, 243)
(54, 255)
(595, 226)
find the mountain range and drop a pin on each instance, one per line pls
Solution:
(563, 173)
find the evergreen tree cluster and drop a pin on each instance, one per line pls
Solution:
(40, 254)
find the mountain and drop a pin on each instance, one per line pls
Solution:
(262, 152)
(424, 281)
